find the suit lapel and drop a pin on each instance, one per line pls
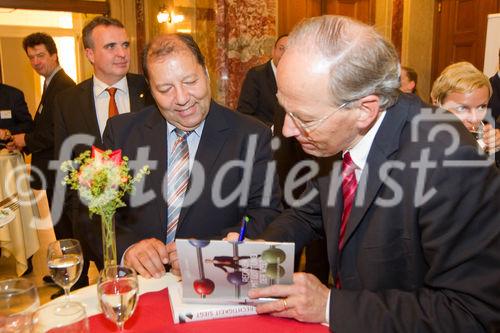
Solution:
(270, 77)
(386, 142)
(332, 213)
(136, 95)
(155, 130)
(212, 141)
(86, 105)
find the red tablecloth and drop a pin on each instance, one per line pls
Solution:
(153, 315)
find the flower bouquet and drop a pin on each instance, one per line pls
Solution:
(102, 178)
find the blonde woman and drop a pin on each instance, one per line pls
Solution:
(465, 91)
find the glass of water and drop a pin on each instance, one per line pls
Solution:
(65, 261)
(18, 300)
(118, 289)
(64, 317)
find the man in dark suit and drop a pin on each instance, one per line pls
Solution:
(258, 99)
(14, 115)
(213, 138)
(85, 108)
(494, 103)
(258, 92)
(42, 53)
(411, 221)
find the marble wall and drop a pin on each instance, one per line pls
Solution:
(246, 31)
(234, 35)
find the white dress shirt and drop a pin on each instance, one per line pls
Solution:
(101, 100)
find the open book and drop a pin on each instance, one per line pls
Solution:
(222, 272)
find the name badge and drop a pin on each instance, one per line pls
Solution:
(5, 114)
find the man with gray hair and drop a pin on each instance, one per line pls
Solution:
(411, 221)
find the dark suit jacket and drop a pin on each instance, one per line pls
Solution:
(494, 103)
(225, 138)
(75, 114)
(40, 142)
(258, 99)
(407, 268)
(258, 94)
(12, 99)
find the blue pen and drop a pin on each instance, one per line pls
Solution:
(243, 229)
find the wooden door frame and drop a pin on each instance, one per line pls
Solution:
(436, 36)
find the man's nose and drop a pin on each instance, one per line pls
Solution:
(182, 95)
(121, 51)
(290, 129)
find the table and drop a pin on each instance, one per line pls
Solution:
(19, 238)
(153, 314)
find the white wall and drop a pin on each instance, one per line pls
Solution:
(492, 45)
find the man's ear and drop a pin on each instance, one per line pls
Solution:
(89, 53)
(413, 85)
(369, 108)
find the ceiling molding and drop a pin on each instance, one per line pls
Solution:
(75, 6)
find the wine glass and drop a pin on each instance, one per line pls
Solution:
(478, 131)
(118, 289)
(67, 317)
(65, 261)
(18, 300)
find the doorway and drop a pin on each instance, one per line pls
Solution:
(64, 27)
(460, 32)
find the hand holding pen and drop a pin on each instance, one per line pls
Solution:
(243, 229)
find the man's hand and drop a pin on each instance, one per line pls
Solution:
(4, 134)
(304, 300)
(11, 146)
(18, 140)
(234, 236)
(491, 138)
(173, 259)
(231, 236)
(147, 257)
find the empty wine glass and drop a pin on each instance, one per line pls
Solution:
(118, 290)
(65, 261)
(64, 317)
(18, 300)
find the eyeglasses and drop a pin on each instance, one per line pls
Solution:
(308, 127)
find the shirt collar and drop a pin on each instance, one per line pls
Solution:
(359, 152)
(273, 67)
(197, 131)
(100, 87)
(54, 72)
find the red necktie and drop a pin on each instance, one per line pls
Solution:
(349, 184)
(112, 108)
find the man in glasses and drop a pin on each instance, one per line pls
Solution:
(411, 215)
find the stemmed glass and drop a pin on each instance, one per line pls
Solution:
(65, 261)
(478, 131)
(18, 300)
(67, 317)
(118, 289)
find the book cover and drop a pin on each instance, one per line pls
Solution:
(222, 272)
(185, 313)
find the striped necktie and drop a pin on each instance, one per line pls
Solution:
(349, 185)
(178, 177)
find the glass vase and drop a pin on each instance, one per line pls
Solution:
(108, 240)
